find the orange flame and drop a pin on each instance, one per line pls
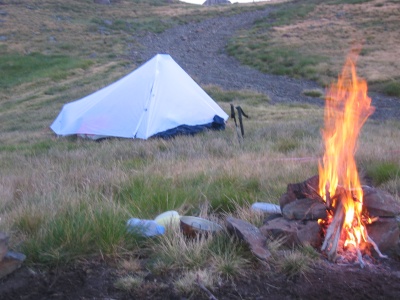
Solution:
(347, 108)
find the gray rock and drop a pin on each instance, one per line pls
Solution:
(305, 209)
(385, 233)
(379, 203)
(295, 232)
(251, 235)
(301, 190)
(286, 198)
(11, 262)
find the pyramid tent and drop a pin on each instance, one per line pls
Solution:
(157, 99)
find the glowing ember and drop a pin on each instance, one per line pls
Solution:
(347, 109)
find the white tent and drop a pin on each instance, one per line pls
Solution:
(157, 99)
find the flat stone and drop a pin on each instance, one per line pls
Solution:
(265, 207)
(305, 209)
(379, 203)
(295, 232)
(385, 233)
(11, 262)
(251, 235)
(3, 245)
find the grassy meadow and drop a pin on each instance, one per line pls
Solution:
(308, 39)
(63, 200)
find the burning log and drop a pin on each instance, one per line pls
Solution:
(332, 237)
(379, 228)
(335, 232)
(347, 108)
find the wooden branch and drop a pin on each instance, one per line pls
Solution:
(360, 259)
(371, 241)
(333, 233)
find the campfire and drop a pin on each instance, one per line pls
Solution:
(334, 211)
(347, 108)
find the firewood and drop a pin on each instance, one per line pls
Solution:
(333, 233)
(371, 241)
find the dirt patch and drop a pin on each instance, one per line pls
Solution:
(96, 280)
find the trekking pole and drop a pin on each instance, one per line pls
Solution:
(240, 113)
(233, 116)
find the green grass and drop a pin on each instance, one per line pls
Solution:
(289, 53)
(222, 254)
(250, 97)
(26, 68)
(392, 88)
(66, 200)
(382, 172)
(74, 233)
(286, 145)
(155, 25)
(166, 193)
(254, 49)
(313, 93)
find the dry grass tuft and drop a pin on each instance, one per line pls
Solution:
(294, 264)
(332, 30)
(129, 283)
(189, 281)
